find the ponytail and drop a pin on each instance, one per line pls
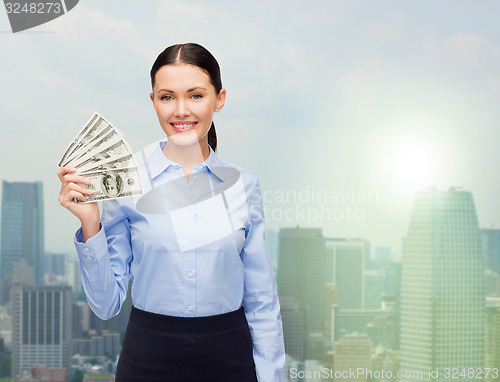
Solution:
(212, 137)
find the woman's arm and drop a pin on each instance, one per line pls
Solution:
(105, 261)
(260, 300)
(104, 250)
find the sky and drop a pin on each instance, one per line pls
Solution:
(344, 110)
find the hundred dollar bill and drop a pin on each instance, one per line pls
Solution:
(113, 184)
(104, 132)
(109, 164)
(108, 147)
(76, 140)
(85, 137)
(108, 129)
(81, 147)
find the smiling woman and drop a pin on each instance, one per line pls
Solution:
(205, 302)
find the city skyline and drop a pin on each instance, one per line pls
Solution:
(442, 293)
(371, 253)
(345, 96)
(395, 254)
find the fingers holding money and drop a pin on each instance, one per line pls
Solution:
(66, 199)
(65, 171)
(72, 186)
(67, 176)
(73, 191)
(98, 165)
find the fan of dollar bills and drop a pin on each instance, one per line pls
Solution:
(100, 153)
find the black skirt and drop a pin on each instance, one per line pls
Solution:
(186, 349)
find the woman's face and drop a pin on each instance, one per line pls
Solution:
(185, 101)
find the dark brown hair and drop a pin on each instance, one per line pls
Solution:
(192, 54)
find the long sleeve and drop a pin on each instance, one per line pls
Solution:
(105, 262)
(260, 299)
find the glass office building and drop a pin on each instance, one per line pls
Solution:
(442, 292)
(22, 230)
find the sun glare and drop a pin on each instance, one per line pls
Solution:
(415, 162)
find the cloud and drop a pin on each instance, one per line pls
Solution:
(96, 36)
(460, 52)
(88, 23)
(472, 51)
(173, 9)
(389, 31)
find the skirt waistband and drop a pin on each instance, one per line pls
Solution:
(204, 324)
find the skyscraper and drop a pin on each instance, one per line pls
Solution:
(41, 327)
(55, 264)
(330, 306)
(490, 239)
(442, 292)
(353, 352)
(294, 328)
(348, 261)
(373, 289)
(22, 229)
(301, 273)
(492, 346)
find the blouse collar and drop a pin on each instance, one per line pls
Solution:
(158, 162)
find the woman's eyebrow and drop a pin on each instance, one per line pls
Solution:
(189, 90)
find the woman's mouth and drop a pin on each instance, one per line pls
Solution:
(183, 126)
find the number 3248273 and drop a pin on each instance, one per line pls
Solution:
(40, 7)
(470, 373)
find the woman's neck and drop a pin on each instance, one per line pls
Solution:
(187, 156)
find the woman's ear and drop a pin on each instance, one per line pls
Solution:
(152, 98)
(221, 99)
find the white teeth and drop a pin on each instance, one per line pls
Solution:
(184, 126)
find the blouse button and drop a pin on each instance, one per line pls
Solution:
(190, 274)
(190, 307)
(195, 177)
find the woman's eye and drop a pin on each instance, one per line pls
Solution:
(166, 97)
(196, 96)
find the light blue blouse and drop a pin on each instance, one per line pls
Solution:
(193, 248)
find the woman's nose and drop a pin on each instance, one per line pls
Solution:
(181, 110)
